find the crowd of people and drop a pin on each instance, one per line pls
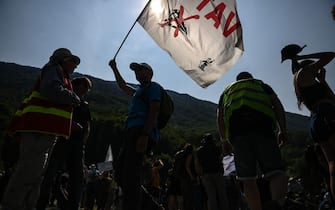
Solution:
(53, 123)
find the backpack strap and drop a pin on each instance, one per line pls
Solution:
(146, 91)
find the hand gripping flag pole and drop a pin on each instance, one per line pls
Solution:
(131, 29)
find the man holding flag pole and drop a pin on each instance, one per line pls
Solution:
(140, 131)
(204, 38)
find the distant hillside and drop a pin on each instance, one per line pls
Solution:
(105, 97)
(109, 104)
(16, 81)
(296, 122)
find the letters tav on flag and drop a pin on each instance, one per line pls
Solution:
(204, 37)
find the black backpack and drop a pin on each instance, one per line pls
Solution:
(166, 107)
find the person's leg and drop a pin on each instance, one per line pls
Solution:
(56, 159)
(110, 196)
(209, 185)
(186, 187)
(278, 188)
(90, 195)
(76, 176)
(172, 202)
(322, 128)
(28, 174)
(252, 194)
(132, 172)
(245, 161)
(270, 161)
(328, 149)
(220, 186)
(180, 202)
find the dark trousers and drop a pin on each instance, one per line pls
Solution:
(69, 152)
(187, 191)
(131, 170)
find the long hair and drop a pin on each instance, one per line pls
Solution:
(296, 67)
(297, 92)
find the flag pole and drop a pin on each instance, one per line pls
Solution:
(131, 29)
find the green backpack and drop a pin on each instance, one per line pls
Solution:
(166, 108)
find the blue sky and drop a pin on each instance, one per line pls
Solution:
(94, 30)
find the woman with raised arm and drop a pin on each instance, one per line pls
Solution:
(313, 91)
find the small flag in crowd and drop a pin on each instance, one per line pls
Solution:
(204, 37)
(107, 165)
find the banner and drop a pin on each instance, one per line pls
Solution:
(204, 38)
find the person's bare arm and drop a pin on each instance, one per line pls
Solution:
(198, 167)
(188, 164)
(220, 123)
(307, 76)
(227, 148)
(323, 58)
(129, 90)
(281, 119)
(87, 131)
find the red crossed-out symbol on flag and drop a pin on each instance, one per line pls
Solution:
(179, 20)
(216, 15)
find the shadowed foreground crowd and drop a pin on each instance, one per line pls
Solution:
(49, 131)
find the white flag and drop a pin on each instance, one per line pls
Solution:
(107, 165)
(109, 155)
(204, 37)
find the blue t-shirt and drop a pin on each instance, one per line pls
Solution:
(140, 104)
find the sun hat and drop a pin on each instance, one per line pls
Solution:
(62, 54)
(290, 51)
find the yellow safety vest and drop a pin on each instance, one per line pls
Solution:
(40, 115)
(249, 93)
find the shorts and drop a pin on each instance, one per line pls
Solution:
(322, 122)
(257, 154)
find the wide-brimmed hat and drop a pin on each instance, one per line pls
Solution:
(290, 51)
(139, 66)
(61, 54)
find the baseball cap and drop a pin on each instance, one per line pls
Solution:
(138, 66)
